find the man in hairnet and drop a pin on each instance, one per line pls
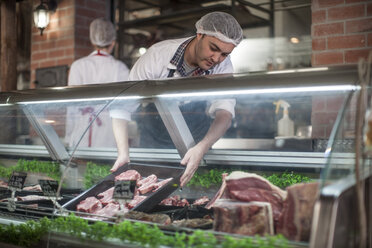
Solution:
(217, 34)
(99, 67)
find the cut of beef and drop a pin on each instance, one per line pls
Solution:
(147, 184)
(109, 210)
(89, 205)
(152, 178)
(162, 183)
(129, 175)
(106, 197)
(219, 193)
(33, 188)
(156, 218)
(245, 218)
(248, 187)
(201, 201)
(32, 198)
(295, 220)
(174, 201)
(136, 200)
(240, 181)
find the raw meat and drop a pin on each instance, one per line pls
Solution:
(136, 200)
(174, 201)
(201, 201)
(109, 210)
(3, 184)
(295, 220)
(245, 218)
(106, 197)
(194, 223)
(32, 198)
(239, 180)
(147, 184)
(33, 188)
(152, 178)
(129, 175)
(246, 187)
(162, 183)
(156, 218)
(89, 205)
(219, 193)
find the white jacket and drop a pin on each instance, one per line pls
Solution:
(155, 63)
(97, 68)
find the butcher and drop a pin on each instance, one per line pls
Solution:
(99, 67)
(217, 34)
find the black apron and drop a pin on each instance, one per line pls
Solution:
(153, 133)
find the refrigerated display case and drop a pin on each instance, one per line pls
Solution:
(72, 127)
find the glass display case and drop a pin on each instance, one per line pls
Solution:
(277, 122)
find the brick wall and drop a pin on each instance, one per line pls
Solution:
(341, 31)
(67, 36)
(341, 34)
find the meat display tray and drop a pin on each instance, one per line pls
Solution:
(153, 198)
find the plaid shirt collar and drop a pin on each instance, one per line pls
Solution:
(177, 61)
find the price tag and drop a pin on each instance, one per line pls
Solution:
(49, 187)
(17, 180)
(124, 190)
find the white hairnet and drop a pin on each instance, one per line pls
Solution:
(102, 32)
(221, 25)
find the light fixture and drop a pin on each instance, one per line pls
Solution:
(294, 40)
(42, 14)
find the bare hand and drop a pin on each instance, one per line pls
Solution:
(120, 161)
(191, 159)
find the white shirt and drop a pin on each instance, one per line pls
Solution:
(97, 68)
(155, 64)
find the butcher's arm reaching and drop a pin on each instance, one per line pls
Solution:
(120, 128)
(195, 154)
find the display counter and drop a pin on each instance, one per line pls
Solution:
(281, 124)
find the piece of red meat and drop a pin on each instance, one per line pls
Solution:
(89, 205)
(201, 201)
(129, 175)
(106, 196)
(136, 200)
(152, 178)
(109, 210)
(162, 183)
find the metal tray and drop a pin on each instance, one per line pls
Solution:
(153, 198)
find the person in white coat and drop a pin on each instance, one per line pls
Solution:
(217, 34)
(99, 67)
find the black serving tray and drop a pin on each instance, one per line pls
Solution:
(153, 198)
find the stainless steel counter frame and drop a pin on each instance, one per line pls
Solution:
(313, 160)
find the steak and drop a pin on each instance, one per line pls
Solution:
(89, 205)
(129, 175)
(106, 196)
(296, 218)
(156, 218)
(162, 183)
(219, 193)
(201, 201)
(109, 210)
(147, 184)
(249, 187)
(244, 218)
(174, 201)
(136, 200)
(152, 178)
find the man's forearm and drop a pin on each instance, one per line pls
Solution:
(218, 128)
(120, 129)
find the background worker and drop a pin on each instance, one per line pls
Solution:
(99, 67)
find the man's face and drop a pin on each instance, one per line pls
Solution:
(211, 51)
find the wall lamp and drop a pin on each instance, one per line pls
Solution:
(42, 14)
